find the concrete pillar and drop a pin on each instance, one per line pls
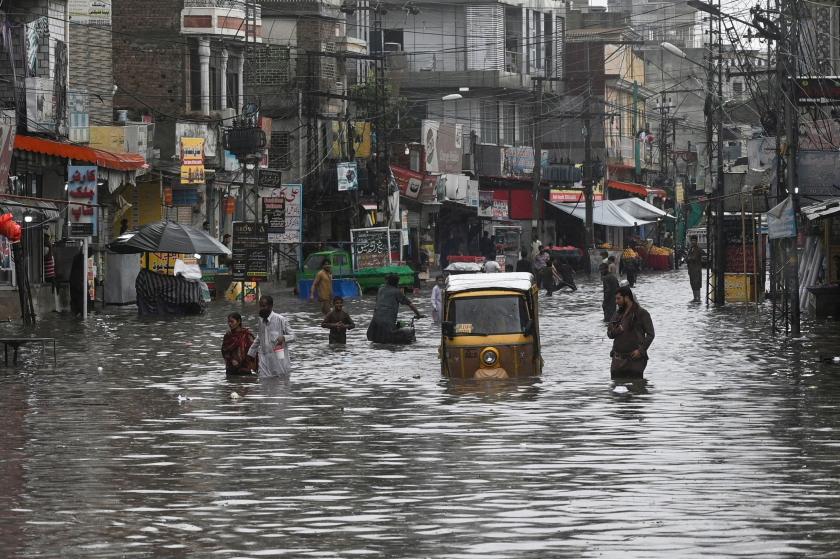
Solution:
(223, 85)
(204, 61)
(523, 62)
(241, 77)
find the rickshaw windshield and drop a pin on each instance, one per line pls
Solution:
(481, 316)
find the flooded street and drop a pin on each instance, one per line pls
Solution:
(730, 449)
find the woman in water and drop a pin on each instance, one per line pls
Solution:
(235, 347)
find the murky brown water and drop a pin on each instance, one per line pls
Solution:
(731, 448)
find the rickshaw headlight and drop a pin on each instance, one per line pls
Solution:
(489, 357)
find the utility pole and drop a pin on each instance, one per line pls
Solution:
(720, 247)
(709, 113)
(589, 240)
(792, 133)
(536, 220)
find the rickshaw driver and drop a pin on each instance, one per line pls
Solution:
(383, 326)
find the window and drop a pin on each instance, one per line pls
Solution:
(232, 91)
(215, 90)
(279, 151)
(195, 80)
(737, 90)
(489, 315)
(489, 122)
(508, 118)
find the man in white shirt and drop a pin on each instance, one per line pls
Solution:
(271, 343)
(491, 266)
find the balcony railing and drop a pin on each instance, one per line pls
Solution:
(233, 19)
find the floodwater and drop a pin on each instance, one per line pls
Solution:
(729, 450)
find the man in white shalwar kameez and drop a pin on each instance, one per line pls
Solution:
(272, 342)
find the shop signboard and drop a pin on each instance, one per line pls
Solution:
(270, 178)
(8, 124)
(348, 176)
(81, 189)
(371, 247)
(571, 196)
(89, 12)
(250, 252)
(485, 203)
(192, 160)
(292, 195)
(274, 215)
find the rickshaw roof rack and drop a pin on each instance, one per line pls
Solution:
(515, 281)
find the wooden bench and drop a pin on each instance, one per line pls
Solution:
(17, 342)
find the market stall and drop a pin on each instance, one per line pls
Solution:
(607, 214)
(819, 265)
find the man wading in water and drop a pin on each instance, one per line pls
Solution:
(631, 330)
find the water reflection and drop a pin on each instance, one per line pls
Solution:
(728, 448)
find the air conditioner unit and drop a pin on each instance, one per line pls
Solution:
(393, 47)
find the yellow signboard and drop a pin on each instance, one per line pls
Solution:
(164, 262)
(192, 160)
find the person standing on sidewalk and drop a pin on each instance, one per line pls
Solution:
(631, 330)
(322, 287)
(694, 262)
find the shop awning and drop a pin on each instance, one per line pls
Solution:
(108, 160)
(631, 187)
(605, 212)
(640, 209)
(18, 207)
(822, 209)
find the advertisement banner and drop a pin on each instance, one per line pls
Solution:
(500, 209)
(429, 137)
(192, 160)
(274, 214)
(348, 176)
(428, 190)
(81, 188)
(444, 146)
(210, 135)
(472, 193)
(485, 203)
(292, 195)
(409, 182)
(8, 124)
(519, 161)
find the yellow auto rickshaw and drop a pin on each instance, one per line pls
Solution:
(490, 327)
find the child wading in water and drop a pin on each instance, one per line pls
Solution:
(338, 322)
